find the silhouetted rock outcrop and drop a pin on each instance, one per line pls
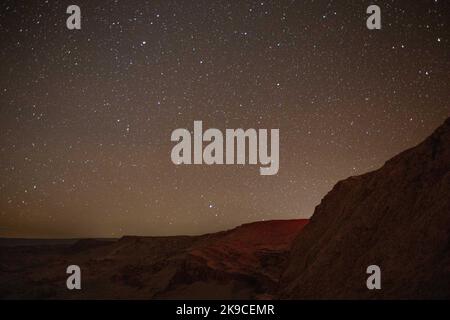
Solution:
(397, 217)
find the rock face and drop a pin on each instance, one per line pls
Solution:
(397, 217)
(245, 262)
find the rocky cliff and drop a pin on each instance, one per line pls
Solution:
(397, 217)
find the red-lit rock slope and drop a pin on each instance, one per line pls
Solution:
(397, 217)
(245, 262)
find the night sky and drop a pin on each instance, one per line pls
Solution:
(86, 115)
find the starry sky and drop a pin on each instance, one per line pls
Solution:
(86, 115)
